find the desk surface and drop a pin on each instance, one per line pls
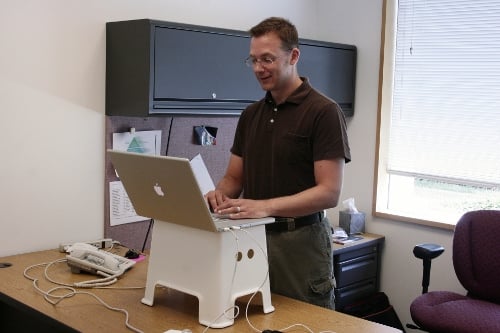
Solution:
(368, 240)
(171, 310)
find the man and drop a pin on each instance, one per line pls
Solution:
(287, 161)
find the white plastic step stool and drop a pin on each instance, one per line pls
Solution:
(202, 263)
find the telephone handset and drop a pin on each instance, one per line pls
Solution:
(86, 257)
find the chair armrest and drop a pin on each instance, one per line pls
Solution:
(427, 251)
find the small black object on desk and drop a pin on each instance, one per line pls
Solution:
(132, 254)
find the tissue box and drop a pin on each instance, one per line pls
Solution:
(352, 223)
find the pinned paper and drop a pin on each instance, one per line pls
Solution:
(145, 142)
(121, 210)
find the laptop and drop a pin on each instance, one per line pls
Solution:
(166, 188)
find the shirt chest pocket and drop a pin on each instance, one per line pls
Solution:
(295, 149)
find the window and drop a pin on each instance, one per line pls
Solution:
(439, 115)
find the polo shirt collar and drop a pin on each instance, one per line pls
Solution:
(297, 96)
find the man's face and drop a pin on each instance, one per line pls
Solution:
(271, 65)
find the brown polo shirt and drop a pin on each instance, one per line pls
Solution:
(279, 143)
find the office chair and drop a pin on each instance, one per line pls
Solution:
(476, 260)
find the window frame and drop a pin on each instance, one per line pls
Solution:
(385, 92)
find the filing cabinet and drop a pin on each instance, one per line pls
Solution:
(357, 269)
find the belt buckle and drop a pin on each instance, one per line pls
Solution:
(290, 223)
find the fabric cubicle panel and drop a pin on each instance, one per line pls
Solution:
(177, 140)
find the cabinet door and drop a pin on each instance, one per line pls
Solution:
(201, 65)
(331, 70)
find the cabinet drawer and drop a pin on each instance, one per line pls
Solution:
(354, 292)
(355, 269)
(355, 253)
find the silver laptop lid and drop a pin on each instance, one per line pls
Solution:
(165, 188)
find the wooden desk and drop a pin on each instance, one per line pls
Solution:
(171, 310)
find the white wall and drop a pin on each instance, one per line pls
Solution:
(52, 74)
(52, 71)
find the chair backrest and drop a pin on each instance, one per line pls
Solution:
(476, 254)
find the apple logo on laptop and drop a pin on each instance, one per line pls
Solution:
(158, 190)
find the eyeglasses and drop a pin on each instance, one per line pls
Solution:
(264, 61)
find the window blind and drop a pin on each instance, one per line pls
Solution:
(445, 120)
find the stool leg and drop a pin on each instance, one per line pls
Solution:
(266, 298)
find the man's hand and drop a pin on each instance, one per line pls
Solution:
(214, 199)
(243, 208)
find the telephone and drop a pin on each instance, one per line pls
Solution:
(86, 257)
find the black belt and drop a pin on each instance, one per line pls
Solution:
(292, 223)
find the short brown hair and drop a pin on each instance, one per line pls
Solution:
(285, 30)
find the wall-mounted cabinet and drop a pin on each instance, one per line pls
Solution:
(165, 68)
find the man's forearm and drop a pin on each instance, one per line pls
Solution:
(229, 187)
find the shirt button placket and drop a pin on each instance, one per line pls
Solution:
(274, 110)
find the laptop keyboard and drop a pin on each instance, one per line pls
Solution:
(220, 218)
